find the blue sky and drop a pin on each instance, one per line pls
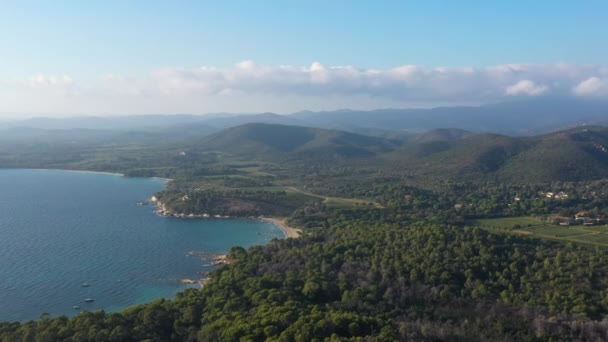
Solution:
(72, 44)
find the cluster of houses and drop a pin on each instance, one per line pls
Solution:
(555, 195)
(552, 195)
(582, 218)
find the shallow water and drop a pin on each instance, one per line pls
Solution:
(59, 229)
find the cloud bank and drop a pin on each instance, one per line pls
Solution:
(248, 86)
(408, 82)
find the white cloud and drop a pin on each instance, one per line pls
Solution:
(526, 87)
(319, 73)
(41, 81)
(591, 86)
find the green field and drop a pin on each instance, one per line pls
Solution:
(335, 202)
(338, 202)
(595, 235)
(506, 223)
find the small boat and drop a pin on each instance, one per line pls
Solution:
(76, 307)
(85, 285)
(89, 300)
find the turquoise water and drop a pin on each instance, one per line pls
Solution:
(59, 229)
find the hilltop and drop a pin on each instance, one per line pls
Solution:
(451, 154)
(271, 140)
(570, 155)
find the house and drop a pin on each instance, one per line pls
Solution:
(581, 215)
(563, 220)
(561, 195)
(458, 206)
(549, 195)
(589, 221)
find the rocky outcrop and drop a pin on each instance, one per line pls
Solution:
(164, 210)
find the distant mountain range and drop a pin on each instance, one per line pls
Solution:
(528, 117)
(533, 116)
(537, 140)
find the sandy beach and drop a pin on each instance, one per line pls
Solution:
(163, 179)
(289, 232)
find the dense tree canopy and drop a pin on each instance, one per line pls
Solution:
(374, 280)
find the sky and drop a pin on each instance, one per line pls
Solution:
(111, 57)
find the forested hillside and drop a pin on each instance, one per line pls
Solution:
(271, 142)
(572, 155)
(379, 281)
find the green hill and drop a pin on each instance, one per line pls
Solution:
(449, 154)
(442, 134)
(271, 140)
(471, 158)
(576, 154)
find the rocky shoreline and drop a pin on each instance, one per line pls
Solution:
(164, 210)
(216, 260)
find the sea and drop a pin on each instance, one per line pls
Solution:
(66, 237)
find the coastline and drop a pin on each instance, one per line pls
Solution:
(161, 178)
(102, 173)
(84, 171)
(217, 260)
(288, 231)
(281, 223)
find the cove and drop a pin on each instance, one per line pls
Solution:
(70, 236)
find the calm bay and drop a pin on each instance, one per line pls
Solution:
(68, 236)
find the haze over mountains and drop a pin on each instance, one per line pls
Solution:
(577, 154)
(523, 117)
